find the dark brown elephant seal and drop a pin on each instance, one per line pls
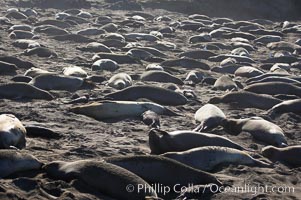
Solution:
(162, 141)
(260, 129)
(107, 178)
(23, 90)
(159, 169)
(247, 100)
(12, 161)
(156, 94)
(288, 155)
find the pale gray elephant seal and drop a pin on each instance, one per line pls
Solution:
(120, 81)
(12, 132)
(57, 82)
(293, 106)
(119, 109)
(260, 129)
(107, 178)
(287, 155)
(12, 161)
(23, 90)
(159, 169)
(209, 116)
(247, 100)
(162, 141)
(207, 158)
(156, 94)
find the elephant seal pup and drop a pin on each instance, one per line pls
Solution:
(287, 155)
(120, 81)
(247, 100)
(23, 90)
(57, 82)
(119, 109)
(151, 119)
(293, 106)
(33, 72)
(274, 88)
(41, 52)
(75, 71)
(225, 83)
(207, 158)
(260, 129)
(162, 141)
(209, 116)
(107, 178)
(164, 170)
(160, 76)
(12, 161)
(12, 132)
(156, 94)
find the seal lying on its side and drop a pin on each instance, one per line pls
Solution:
(293, 106)
(107, 178)
(119, 109)
(161, 141)
(12, 161)
(23, 90)
(247, 99)
(156, 94)
(259, 128)
(207, 158)
(209, 116)
(287, 155)
(12, 132)
(159, 169)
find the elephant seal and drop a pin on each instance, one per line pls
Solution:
(107, 178)
(57, 82)
(209, 116)
(275, 79)
(120, 81)
(207, 158)
(12, 132)
(287, 155)
(260, 129)
(33, 72)
(248, 72)
(164, 170)
(17, 61)
(119, 58)
(274, 88)
(119, 109)
(7, 68)
(247, 100)
(225, 83)
(21, 78)
(293, 106)
(25, 43)
(162, 141)
(23, 90)
(42, 132)
(156, 94)
(187, 63)
(105, 64)
(12, 161)
(160, 76)
(41, 52)
(151, 119)
(75, 71)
